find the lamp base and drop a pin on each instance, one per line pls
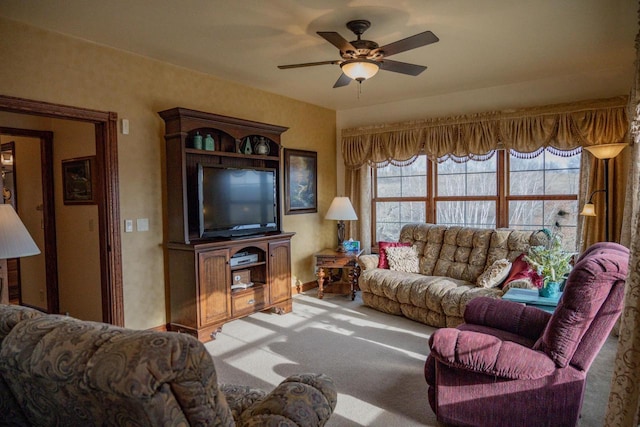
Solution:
(341, 248)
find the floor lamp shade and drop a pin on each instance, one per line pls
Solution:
(15, 240)
(606, 151)
(603, 152)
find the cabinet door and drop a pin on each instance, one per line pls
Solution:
(279, 271)
(214, 280)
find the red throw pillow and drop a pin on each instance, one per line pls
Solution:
(382, 253)
(520, 269)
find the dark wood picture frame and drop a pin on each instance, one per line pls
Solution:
(300, 181)
(78, 183)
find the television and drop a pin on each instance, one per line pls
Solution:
(236, 202)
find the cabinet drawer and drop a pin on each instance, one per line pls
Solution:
(247, 301)
(330, 262)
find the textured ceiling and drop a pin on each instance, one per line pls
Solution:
(483, 43)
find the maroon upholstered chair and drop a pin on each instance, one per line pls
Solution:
(513, 365)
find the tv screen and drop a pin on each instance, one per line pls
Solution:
(236, 202)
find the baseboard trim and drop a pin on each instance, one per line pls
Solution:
(306, 286)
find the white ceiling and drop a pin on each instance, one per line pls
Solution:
(483, 43)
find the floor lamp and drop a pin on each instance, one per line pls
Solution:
(603, 152)
(341, 209)
(15, 241)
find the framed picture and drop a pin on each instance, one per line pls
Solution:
(300, 182)
(78, 186)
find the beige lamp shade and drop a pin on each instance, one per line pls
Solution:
(341, 209)
(588, 210)
(606, 151)
(15, 241)
(360, 69)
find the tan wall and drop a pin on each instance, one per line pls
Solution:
(76, 228)
(49, 67)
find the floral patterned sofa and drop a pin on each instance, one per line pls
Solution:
(60, 371)
(450, 260)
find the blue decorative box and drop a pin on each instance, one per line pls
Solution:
(351, 245)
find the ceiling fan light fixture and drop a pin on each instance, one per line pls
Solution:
(360, 69)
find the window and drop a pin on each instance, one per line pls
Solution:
(504, 190)
(467, 193)
(402, 194)
(541, 187)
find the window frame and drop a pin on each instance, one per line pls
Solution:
(502, 198)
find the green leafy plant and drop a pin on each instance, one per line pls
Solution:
(551, 261)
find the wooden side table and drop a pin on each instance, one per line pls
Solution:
(331, 267)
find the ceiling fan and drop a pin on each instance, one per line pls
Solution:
(361, 59)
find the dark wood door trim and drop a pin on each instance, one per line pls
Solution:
(108, 192)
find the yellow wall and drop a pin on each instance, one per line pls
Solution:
(77, 237)
(49, 67)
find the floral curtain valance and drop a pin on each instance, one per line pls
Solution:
(563, 127)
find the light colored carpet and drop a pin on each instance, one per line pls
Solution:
(375, 359)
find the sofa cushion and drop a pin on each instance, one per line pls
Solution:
(464, 253)
(382, 252)
(494, 275)
(509, 244)
(428, 240)
(403, 258)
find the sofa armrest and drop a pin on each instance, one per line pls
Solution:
(487, 354)
(368, 262)
(300, 400)
(507, 316)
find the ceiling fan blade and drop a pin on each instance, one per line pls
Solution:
(343, 80)
(401, 67)
(409, 43)
(337, 40)
(307, 64)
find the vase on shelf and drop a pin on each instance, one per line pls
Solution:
(550, 290)
(262, 147)
(209, 143)
(197, 141)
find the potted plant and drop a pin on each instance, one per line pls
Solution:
(551, 261)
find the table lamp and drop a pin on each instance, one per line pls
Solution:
(341, 210)
(603, 152)
(15, 240)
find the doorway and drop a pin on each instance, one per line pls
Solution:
(106, 166)
(33, 205)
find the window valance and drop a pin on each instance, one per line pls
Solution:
(562, 127)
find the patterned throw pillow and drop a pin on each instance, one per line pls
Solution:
(403, 258)
(382, 252)
(495, 274)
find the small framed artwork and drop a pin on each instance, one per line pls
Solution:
(78, 183)
(300, 182)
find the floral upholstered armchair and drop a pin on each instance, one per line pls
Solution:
(56, 371)
(509, 364)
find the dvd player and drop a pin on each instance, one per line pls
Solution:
(241, 260)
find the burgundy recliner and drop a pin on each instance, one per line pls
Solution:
(511, 365)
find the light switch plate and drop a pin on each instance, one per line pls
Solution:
(128, 225)
(142, 224)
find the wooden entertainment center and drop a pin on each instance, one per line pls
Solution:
(202, 271)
